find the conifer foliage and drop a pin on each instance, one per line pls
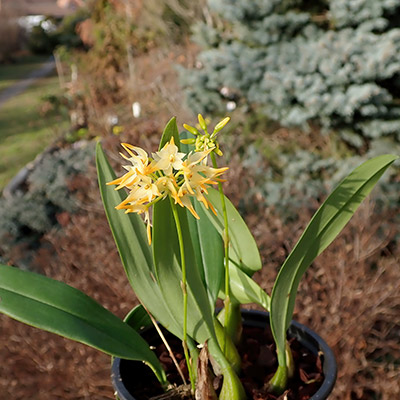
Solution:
(333, 63)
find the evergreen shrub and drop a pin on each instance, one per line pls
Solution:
(335, 64)
(332, 66)
(32, 208)
(303, 179)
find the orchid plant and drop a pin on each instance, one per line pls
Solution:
(191, 249)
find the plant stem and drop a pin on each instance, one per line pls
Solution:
(184, 290)
(225, 238)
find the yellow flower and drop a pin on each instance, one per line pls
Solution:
(147, 190)
(140, 167)
(167, 186)
(130, 178)
(167, 174)
(200, 197)
(168, 158)
(141, 158)
(197, 174)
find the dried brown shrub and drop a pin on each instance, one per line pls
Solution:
(122, 66)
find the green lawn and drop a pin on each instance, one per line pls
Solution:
(24, 132)
(11, 73)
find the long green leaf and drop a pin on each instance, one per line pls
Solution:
(130, 237)
(209, 252)
(169, 274)
(325, 225)
(243, 248)
(58, 308)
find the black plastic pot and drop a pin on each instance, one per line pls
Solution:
(122, 369)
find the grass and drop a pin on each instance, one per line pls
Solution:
(24, 132)
(11, 73)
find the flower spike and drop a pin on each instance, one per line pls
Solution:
(168, 173)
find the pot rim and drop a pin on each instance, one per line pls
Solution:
(302, 333)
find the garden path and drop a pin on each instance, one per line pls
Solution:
(23, 84)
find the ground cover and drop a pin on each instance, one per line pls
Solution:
(24, 130)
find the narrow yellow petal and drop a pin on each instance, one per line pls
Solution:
(204, 201)
(149, 233)
(211, 207)
(127, 147)
(194, 213)
(115, 181)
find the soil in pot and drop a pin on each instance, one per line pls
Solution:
(259, 363)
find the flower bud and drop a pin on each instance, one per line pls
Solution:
(188, 141)
(191, 129)
(221, 124)
(202, 123)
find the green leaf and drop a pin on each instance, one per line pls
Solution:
(170, 130)
(325, 225)
(58, 308)
(245, 290)
(169, 274)
(243, 248)
(130, 237)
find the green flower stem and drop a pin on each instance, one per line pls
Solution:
(184, 291)
(225, 237)
(194, 355)
(156, 200)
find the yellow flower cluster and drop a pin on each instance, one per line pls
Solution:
(167, 173)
